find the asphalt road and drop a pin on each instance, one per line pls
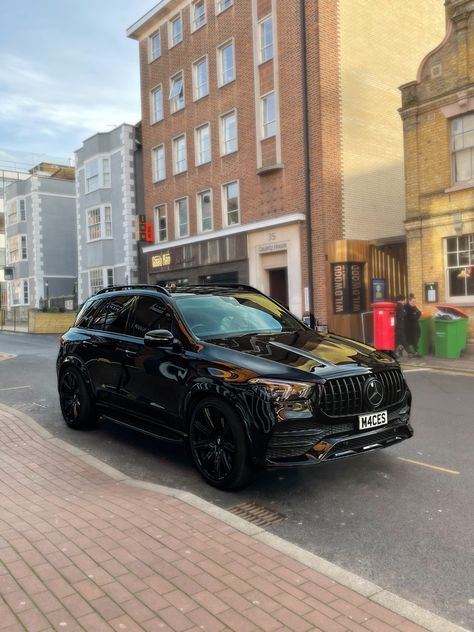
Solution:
(402, 518)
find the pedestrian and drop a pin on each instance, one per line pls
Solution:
(412, 326)
(400, 344)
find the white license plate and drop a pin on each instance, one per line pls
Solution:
(372, 420)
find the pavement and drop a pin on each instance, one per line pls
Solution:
(84, 547)
(464, 364)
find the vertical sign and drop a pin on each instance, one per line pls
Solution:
(348, 292)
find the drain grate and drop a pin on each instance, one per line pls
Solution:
(261, 516)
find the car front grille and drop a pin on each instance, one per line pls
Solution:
(344, 396)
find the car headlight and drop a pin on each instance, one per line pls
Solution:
(281, 391)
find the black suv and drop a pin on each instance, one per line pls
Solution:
(232, 373)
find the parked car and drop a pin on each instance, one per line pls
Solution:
(233, 374)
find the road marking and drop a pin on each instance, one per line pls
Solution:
(6, 356)
(13, 388)
(432, 467)
(415, 370)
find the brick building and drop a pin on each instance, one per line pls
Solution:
(271, 141)
(438, 122)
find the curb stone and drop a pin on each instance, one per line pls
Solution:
(369, 590)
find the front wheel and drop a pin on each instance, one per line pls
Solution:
(76, 405)
(219, 446)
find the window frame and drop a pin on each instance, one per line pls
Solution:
(175, 154)
(220, 9)
(222, 128)
(105, 226)
(195, 28)
(196, 95)
(105, 273)
(21, 212)
(464, 298)
(11, 212)
(220, 66)
(17, 287)
(154, 163)
(171, 22)
(197, 144)
(201, 230)
(453, 152)
(225, 210)
(267, 124)
(101, 180)
(151, 56)
(154, 119)
(19, 248)
(173, 100)
(156, 211)
(261, 45)
(177, 224)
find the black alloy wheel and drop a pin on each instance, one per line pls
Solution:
(76, 405)
(219, 445)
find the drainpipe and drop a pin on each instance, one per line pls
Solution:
(307, 168)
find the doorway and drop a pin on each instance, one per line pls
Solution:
(278, 285)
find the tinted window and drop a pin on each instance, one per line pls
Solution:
(235, 314)
(150, 313)
(87, 311)
(118, 312)
(98, 317)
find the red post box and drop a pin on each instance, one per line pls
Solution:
(384, 325)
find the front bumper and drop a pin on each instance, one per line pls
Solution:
(307, 444)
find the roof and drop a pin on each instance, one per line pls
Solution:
(133, 31)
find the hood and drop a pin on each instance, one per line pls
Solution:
(310, 351)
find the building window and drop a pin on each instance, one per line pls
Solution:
(176, 31)
(199, 14)
(222, 5)
(99, 223)
(179, 154)
(100, 278)
(226, 63)
(229, 133)
(19, 292)
(161, 223)
(269, 115)
(462, 147)
(26, 298)
(201, 78)
(155, 46)
(266, 39)
(97, 174)
(177, 92)
(159, 164)
(157, 105)
(181, 218)
(12, 213)
(22, 207)
(203, 144)
(205, 210)
(231, 203)
(460, 266)
(17, 249)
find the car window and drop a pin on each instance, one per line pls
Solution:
(119, 309)
(149, 313)
(98, 317)
(235, 314)
(86, 313)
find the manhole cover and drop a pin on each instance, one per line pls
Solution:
(261, 516)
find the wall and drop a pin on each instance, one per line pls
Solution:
(50, 323)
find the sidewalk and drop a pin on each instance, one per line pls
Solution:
(82, 547)
(464, 364)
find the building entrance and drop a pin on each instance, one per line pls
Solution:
(278, 282)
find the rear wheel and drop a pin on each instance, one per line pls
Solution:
(76, 405)
(219, 445)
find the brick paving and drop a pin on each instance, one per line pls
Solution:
(80, 550)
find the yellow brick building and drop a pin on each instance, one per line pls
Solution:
(438, 123)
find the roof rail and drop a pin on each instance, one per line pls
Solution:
(231, 286)
(116, 288)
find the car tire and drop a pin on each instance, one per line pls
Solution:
(76, 405)
(219, 446)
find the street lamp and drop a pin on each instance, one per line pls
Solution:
(46, 284)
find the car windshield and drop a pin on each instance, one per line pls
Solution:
(235, 314)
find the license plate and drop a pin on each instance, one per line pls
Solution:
(372, 420)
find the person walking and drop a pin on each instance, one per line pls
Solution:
(412, 326)
(400, 344)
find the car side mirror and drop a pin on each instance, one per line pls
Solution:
(158, 338)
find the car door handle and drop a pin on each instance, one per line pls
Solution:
(130, 353)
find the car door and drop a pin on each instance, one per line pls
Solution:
(156, 377)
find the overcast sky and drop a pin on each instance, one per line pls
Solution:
(67, 70)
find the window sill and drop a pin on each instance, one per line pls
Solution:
(262, 171)
(461, 186)
(195, 29)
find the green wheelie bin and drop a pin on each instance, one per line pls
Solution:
(426, 323)
(450, 331)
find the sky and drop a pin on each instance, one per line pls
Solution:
(67, 71)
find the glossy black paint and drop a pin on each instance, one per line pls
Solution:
(153, 388)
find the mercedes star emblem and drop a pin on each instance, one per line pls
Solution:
(374, 392)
